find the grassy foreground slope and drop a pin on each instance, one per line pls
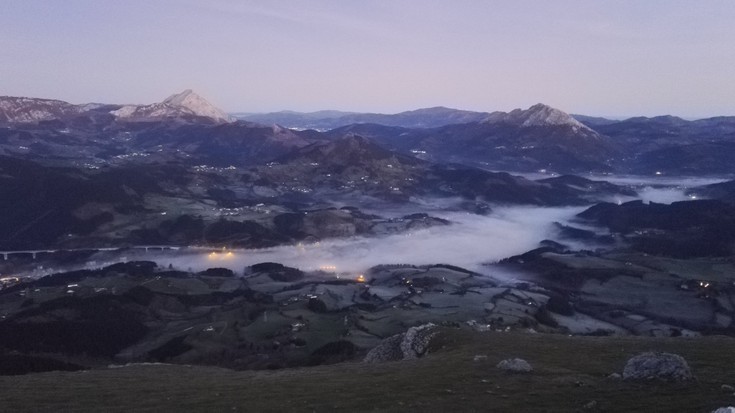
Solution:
(570, 374)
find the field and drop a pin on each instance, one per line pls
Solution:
(570, 374)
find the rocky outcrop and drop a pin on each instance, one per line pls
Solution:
(412, 344)
(388, 350)
(515, 365)
(538, 115)
(662, 366)
(416, 341)
(186, 103)
(29, 110)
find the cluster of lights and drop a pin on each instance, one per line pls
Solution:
(328, 268)
(220, 256)
(8, 281)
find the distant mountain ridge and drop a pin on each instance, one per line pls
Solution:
(325, 120)
(670, 144)
(537, 115)
(424, 118)
(186, 104)
(540, 137)
(25, 110)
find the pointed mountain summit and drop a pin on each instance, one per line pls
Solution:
(197, 105)
(186, 103)
(537, 115)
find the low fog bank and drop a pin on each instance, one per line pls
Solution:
(469, 242)
(657, 194)
(663, 189)
(659, 180)
(658, 188)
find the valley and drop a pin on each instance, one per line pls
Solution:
(381, 206)
(171, 233)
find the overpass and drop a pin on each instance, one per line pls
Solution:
(34, 253)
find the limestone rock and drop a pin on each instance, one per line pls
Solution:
(664, 366)
(416, 341)
(412, 344)
(515, 366)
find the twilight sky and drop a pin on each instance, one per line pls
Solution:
(613, 58)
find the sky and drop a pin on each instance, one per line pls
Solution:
(604, 58)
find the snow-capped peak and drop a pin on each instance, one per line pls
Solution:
(196, 104)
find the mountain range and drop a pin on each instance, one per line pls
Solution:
(325, 120)
(187, 104)
(540, 138)
(202, 199)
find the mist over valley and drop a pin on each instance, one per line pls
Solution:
(175, 233)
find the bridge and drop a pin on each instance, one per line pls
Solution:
(34, 253)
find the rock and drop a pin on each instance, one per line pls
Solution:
(416, 341)
(479, 357)
(591, 405)
(728, 409)
(480, 327)
(412, 344)
(727, 387)
(388, 350)
(664, 366)
(615, 376)
(515, 366)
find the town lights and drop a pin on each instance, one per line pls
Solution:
(213, 256)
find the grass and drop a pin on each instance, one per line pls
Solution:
(570, 372)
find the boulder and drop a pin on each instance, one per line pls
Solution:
(412, 344)
(515, 366)
(652, 365)
(728, 409)
(388, 350)
(416, 341)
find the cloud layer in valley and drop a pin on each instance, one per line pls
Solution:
(470, 241)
